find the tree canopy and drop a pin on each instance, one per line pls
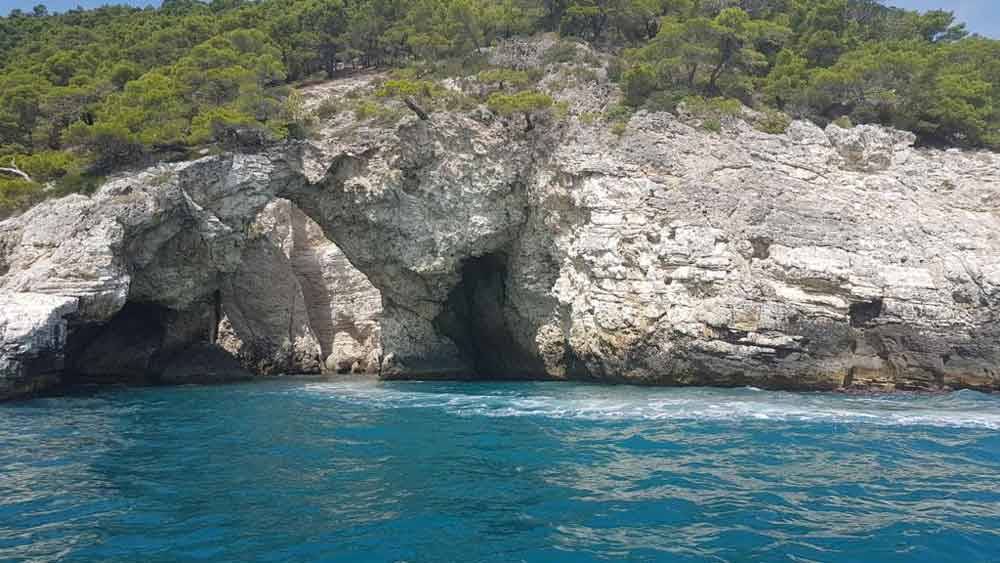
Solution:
(85, 92)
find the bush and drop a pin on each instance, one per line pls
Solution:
(843, 122)
(50, 165)
(527, 103)
(618, 112)
(505, 78)
(16, 195)
(773, 122)
(327, 109)
(710, 113)
(568, 52)
(616, 68)
(380, 114)
(664, 100)
(218, 124)
(561, 52)
(638, 83)
(366, 110)
(715, 107)
(110, 145)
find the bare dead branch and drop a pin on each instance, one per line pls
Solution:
(15, 171)
(412, 104)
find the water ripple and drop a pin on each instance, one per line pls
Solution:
(366, 471)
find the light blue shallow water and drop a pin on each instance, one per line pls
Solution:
(364, 471)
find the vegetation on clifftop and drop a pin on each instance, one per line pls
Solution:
(86, 92)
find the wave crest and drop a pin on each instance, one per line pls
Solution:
(966, 409)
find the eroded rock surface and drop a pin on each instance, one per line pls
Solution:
(295, 304)
(32, 341)
(141, 261)
(465, 246)
(814, 259)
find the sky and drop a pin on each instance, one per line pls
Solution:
(982, 16)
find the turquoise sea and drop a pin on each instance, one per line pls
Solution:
(360, 471)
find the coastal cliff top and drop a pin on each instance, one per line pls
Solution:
(88, 93)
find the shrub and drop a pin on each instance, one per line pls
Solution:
(526, 103)
(380, 114)
(561, 52)
(844, 122)
(616, 68)
(773, 122)
(561, 110)
(16, 195)
(327, 109)
(569, 52)
(710, 112)
(110, 145)
(217, 124)
(716, 107)
(366, 110)
(505, 78)
(618, 112)
(664, 100)
(50, 165)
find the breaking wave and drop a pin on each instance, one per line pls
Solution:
(963, 409)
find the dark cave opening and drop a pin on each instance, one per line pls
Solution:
(475, 318)
(863, 313)
(123, 349)
(146, 344)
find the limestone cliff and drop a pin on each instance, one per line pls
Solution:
(464, 246)
(295, 304)
(813, 259)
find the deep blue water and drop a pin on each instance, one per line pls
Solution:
(365, 471)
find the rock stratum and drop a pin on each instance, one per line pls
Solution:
(465, 247)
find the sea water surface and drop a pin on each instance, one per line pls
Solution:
(367, 471)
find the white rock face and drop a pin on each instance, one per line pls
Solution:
(161, 240)
(813, 259)
(295, 304)
(32, 337)
(670, 255)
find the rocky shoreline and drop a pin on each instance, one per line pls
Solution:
(816, 259)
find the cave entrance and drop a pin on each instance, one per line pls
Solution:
(476, 317)
(142, 342)
(121, 350)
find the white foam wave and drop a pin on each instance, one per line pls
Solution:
(568, 401)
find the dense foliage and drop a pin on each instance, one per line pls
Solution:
(88, 91)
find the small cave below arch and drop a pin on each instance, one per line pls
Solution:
(146, 344)
(120, 350)
(476, 317)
